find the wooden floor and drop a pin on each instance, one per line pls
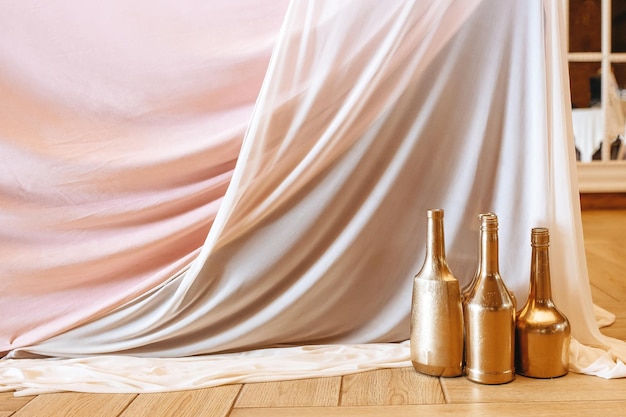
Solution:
(400, 392)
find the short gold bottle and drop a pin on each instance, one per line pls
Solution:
(436, 310)
(542, 332)
(489, 314)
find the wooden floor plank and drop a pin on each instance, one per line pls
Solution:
(214, 402)
(599, 295)
(401, 386)
(299, 393)
(605, 243)
(605, 248)
(572, 387)
(607, 269)
(9, 402)
(73, 404)
(519, 409)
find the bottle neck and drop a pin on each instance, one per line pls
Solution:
(435, 246)
(540, 290)
(489, 251)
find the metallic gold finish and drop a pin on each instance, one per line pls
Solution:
(542, 332)
(436, 310)
(489, 316)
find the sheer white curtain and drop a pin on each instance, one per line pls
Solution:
(370, 113)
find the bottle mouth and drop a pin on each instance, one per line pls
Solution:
(488, 221)
(435, 213)
(540, 236)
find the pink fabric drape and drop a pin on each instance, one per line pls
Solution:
(120, 125)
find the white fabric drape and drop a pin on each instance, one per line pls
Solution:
(370, 113)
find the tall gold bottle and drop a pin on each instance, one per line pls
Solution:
(489, 316)
(436, 310)
(542, 332)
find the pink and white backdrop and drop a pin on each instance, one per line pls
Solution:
(198, 193)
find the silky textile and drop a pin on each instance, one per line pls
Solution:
(212, 192)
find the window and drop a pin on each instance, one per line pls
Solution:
(597, 67)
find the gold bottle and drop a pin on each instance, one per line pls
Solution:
(489, 315)
(436, 310)
(542, 332)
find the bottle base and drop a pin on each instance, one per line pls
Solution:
(542, 375)
(443, 371)
(489, 378)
